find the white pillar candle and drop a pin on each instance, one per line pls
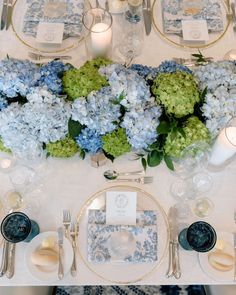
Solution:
(224, 146)
(101, 36)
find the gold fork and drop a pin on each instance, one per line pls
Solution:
(66, 222)
(142, 180)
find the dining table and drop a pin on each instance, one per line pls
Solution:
(69, 183)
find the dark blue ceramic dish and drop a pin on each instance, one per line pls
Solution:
(201, 236)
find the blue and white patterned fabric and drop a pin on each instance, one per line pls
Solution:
(135, 243)
(174, 11)
(130, 290)
(68, 12)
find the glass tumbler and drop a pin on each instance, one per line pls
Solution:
(98, 26)
(17, 227)
(199, 236)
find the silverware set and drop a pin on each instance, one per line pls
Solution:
(37, 56)
(6, 14)
(114, 176)
(190, 61)
(71, 233)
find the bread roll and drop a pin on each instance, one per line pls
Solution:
(221, 261)
(44, 257)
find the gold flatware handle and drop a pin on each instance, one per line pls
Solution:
(60, 265)
(170, 266)
(73, 269)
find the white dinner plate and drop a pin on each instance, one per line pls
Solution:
(50, 274)
(217, 275)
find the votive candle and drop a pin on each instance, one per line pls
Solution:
(101, 37)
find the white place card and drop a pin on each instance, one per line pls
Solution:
(50, 33)
(195, 30)
(121, 208)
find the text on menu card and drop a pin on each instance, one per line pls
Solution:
(121, 208)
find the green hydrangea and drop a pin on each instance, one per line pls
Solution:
(3, 148)
(177, 92)
(195, 131)
(64, 148)
(115, 143)
(80, 82)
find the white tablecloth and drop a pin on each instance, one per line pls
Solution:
(69, 182)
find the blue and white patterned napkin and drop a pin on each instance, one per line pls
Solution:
(142, 247)
(68, 12)
(176, 10)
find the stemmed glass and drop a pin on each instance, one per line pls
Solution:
(193, 180)
(131, 42)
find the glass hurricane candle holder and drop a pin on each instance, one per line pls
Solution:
(98, 26)
(224, 147)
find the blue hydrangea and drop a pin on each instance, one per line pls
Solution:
(170, 66)
(89, 140)
(150, 73)
(51, 75)
(3, 102)
(141, 126)
(98, 111)
(134, 89)
(17, 77)
(146, 72)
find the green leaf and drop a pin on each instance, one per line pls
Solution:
(154, 158)
(82, 154)
(182, 132)
(144, 163)
(174, 133)
(140, 155)
(203, 94)
(108, 156)
(74, 128)
(164, 127)
(196, 55)
(169, 162)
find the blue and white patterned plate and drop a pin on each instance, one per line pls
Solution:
(122, 243)
(174, 11)
(68, 12)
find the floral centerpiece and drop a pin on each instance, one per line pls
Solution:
(102, 106)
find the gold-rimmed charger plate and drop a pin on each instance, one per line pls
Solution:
(177, 40)
(124, 273)
(17, 21)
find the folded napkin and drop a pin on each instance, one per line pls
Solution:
(68, 12)
(122, 243)
(176, 10)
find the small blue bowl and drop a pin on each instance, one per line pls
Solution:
(201, 236)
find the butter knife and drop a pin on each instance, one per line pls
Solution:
(172, 217)
(4, 263)
(4, 15)
(60, 253)
(9, 13)
(147, 15)
(11, 261)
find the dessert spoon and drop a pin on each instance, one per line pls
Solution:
(112, 174)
